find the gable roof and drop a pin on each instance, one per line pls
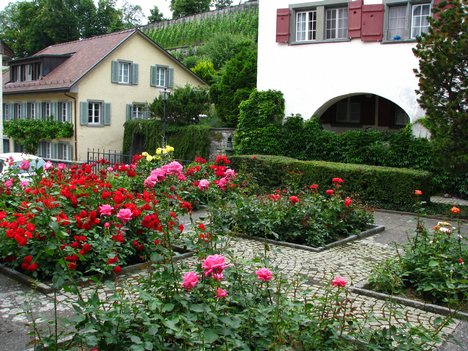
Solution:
(84, 55)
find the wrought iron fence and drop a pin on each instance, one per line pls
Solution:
(112, 157)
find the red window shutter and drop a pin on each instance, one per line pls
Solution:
(354, 18)
(282, 25)
(372, 22)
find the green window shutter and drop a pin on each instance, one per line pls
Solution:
(69, 111)
(153, 76)
(38, 110)
(106, 113)
(135, 73)
(24, 110)
(54, 150)
(83, 113)
(54, 108)
(170, 78)
(129, 112)
(115, 72)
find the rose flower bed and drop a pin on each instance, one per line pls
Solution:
(312, 217)
(80, 221)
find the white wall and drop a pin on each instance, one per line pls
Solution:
(310, 75)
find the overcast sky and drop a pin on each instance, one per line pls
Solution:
(146, 5)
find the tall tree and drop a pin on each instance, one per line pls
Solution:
(132, 15)
(222, 4)
(443, 81)
(155, 15)
(182, 8)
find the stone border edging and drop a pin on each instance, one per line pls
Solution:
(428, 307)
(373, 229)
(46, 288)
(441, 217)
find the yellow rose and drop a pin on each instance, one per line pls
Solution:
(144, 154)
(159, 151)
(169, 148)
(149, 158)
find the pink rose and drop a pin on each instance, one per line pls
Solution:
(107, 225)
(230, 173)
(213, 264)
(339, 281)
(110, 169)
(173, 168)
(61, 166)
(264, 274)
(125, 215)
(8, 183)
(190, 280)
(24, 183)
(24, 165)
(48, 165)
(220, 293)
(203, 184)
(106, 210)
(181, 177)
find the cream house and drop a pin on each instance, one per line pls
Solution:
(96, 84)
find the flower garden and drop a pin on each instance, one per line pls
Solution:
(66, 224)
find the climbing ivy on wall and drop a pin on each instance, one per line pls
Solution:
(188, 141)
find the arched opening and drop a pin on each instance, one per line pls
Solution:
(362, 110)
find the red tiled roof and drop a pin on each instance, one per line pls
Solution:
(86, 53)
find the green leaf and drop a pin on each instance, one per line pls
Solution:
(433, 263)
(168, 307)
(197, 308)
(210, 336)
(135, 339)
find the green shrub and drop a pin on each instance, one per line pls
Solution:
(188, 141)
(384, 187)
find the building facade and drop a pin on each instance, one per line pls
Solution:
(348, 62)
(96, 84)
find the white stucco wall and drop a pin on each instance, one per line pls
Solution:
(310, 75)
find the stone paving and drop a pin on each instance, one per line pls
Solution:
(354, 261)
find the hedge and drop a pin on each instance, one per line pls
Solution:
(382, 187)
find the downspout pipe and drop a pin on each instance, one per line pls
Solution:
(75, 132)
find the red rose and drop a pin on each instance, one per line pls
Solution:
(293, 199)
(329, 192)
(117, 269)
(348, 202)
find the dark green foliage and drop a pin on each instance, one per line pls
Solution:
(384, 187)
(188, 141)
(195, 32)
(443, 58)
(260, 119)
(182, 8)
(183, 106)
(236, 81)
(155, 15)
(29, 132)
(28, 27)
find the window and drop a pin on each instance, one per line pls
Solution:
(138, 111)
(63, 152)
(419, 19)
(306, 25)
(44, 149)
(124, 72)
(33, 111)
(396, 22)
(336, 23)
(94, 113)
(45, 110)
(64, 111)
(162, 76)
(348, 111)
(6, 145)
(407, 21)
(7, 112)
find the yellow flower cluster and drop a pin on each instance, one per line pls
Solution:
(159, 151)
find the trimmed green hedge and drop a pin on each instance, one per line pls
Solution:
(383, 187)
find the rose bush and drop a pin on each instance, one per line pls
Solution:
(309, 217)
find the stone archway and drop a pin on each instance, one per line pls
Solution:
(361, 110)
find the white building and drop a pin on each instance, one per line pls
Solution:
(348, 62)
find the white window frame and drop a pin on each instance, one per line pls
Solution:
(124, 72)
(306, 25)
(63, 149)
(138, 111)
(33, 111)
(161, 76)
(6, 112)
(393, 31)
(45, 149)
(46, 109)
(417, 27)
(63, 113)
(95, 113)
(339, 15)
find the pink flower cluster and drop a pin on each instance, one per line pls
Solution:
(339, 282)
(190, 280)
(264, 274)
(214, 265)
(159, 174)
